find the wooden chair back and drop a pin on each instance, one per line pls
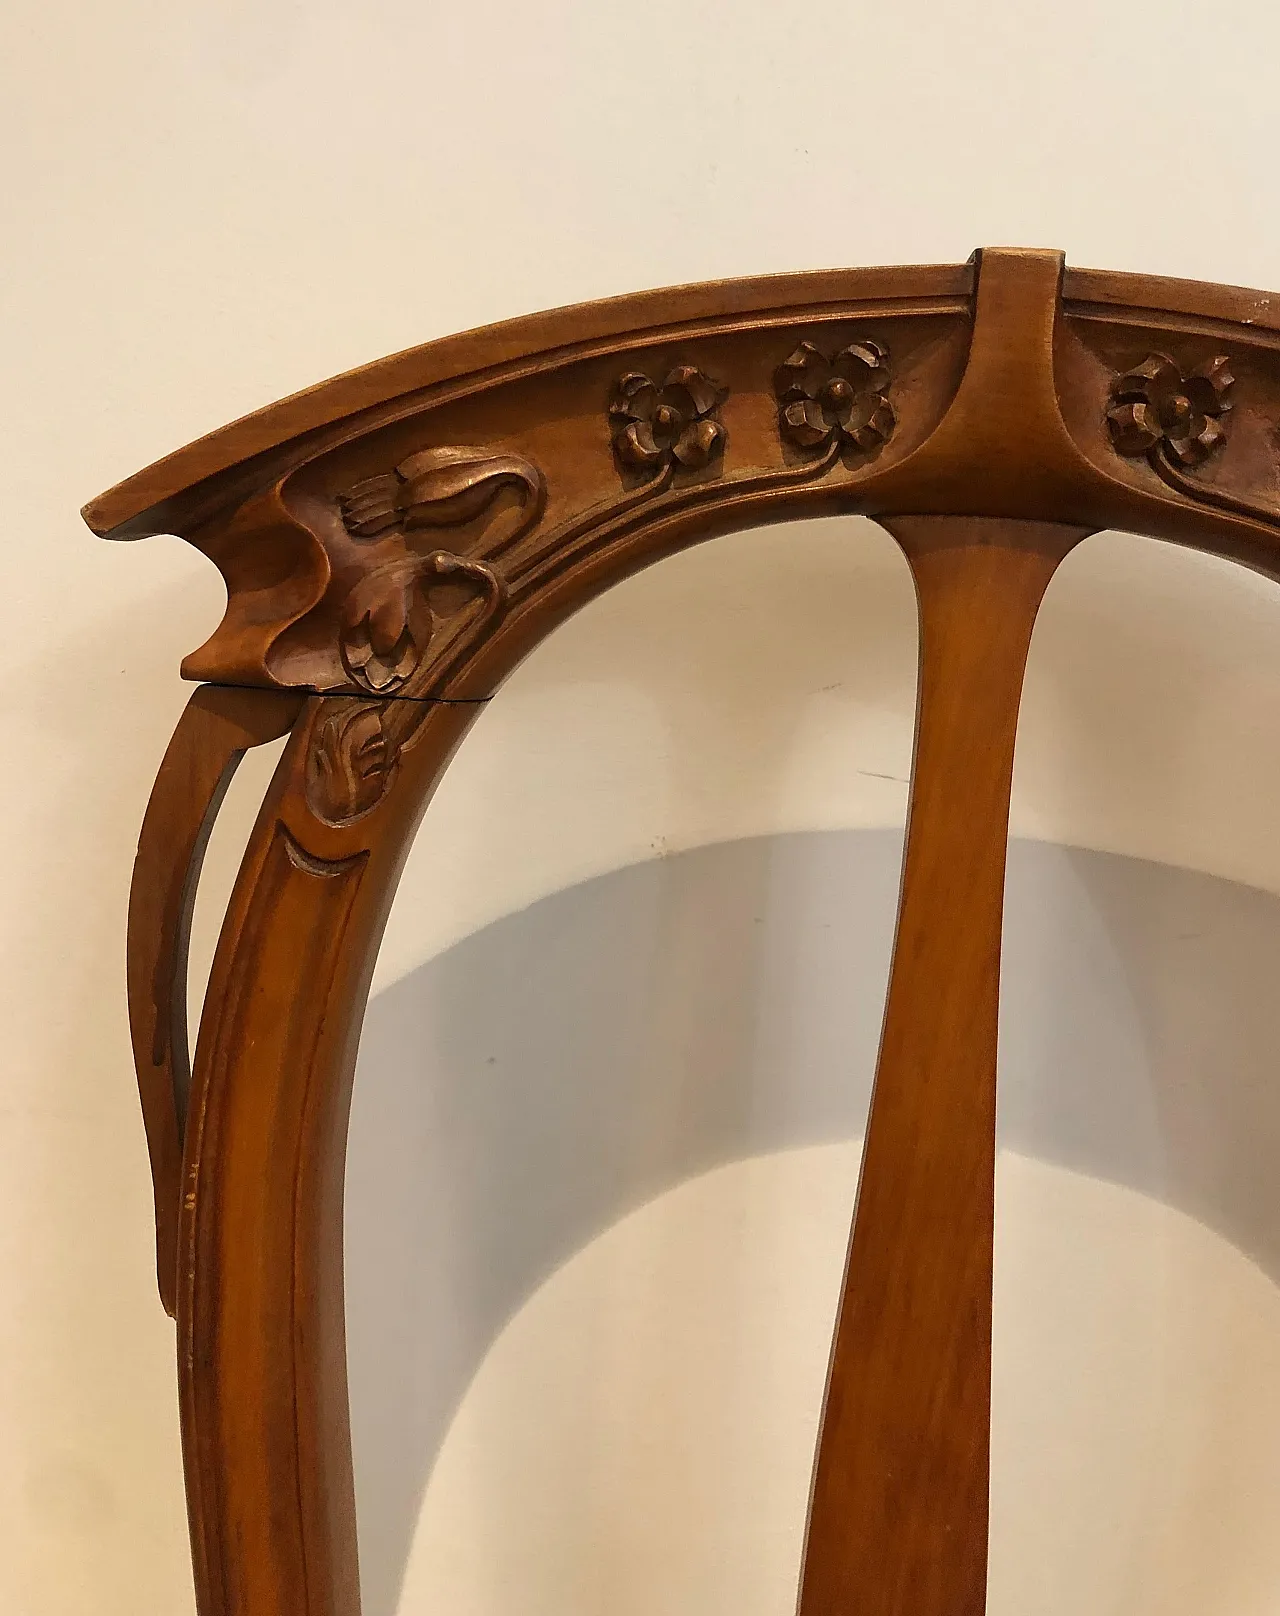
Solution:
(393, 542)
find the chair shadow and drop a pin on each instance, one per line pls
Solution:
(1172, 1087)
(523, 1090)
(520, 1092)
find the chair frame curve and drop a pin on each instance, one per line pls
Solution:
(393, 543)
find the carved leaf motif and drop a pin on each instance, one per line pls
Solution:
(351, 761)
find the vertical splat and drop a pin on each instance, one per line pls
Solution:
(898, 1516)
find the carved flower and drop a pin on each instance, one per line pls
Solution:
(388, 616)
(1155, 409)
(386, 626)
(656, 424)
(846, 397)
(387, 621)
(438, 488)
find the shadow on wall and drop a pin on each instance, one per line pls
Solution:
(520, 1092)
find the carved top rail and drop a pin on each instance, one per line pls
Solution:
(391, 532)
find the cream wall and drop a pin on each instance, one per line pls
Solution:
(630, 1480)
(207, 206)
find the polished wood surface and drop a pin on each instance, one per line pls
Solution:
(898, 1519)
(261, 1329)
(217, 728)
(393, 542)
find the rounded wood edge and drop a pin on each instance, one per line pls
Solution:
(898, 1513)
(123, 510)
(261, 1317)
(217, 727)
(128, 504)
(1125, 289)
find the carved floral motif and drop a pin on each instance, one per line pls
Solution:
(821, 400)
(400, 622)
(389, 618)
(1157, 411)
(436, 488)
(666, 424)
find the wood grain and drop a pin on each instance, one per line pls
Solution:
(261, 1324)
(393, 542)
(898, 1519)
(143, 504)
(216, 729)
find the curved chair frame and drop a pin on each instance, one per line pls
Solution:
(393, 542)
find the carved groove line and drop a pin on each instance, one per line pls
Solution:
(1175, 478)
(612, 523)
(202, 1209)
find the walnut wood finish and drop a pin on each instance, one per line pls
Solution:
(898, 1520)
(217, 728)
(393, 543)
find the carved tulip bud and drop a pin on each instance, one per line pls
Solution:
(441, 487)
(446, 487)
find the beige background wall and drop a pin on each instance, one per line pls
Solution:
(206, 206)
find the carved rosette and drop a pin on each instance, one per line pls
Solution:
(1157, 412)
(843, 399)
(657, 426)
(391, 616)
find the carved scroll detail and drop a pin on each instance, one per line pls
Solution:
(844, 399)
